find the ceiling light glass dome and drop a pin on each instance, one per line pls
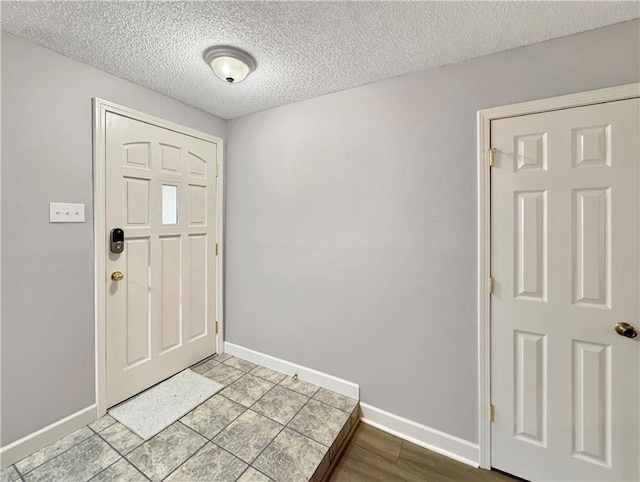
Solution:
(229, 63)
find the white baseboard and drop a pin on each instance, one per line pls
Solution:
(39, 439)
(310, 375)
(427, 437)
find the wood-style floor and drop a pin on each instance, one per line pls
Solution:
(374, 455)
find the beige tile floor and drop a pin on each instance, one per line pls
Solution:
(262, 426)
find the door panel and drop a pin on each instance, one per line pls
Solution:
(591, 237)
(591, 410)
(161, 189)
(198, 288)
(565, 259)
(531, 241)
(171, 266)
(135, 286)
(530, 387)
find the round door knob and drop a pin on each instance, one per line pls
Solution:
(626, 329)
(117, 276)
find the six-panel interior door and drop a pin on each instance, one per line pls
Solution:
(161, 190)
(564, 234)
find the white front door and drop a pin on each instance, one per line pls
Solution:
(565, 259)
(161, 191)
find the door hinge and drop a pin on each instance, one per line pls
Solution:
(491, 285)
(215, 170)
(217, 249)
(492, 413)
(491, 151)
(216, 327)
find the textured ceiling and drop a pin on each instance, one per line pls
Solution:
(303, 49)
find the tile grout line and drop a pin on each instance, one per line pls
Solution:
(296, 391)
(259, 471)
(103, 428)
(122, 456)
(338, 408)
(274, 385)
(253, 403)
(244, 373)
(279, 383)
(283, 426)
(219, 392)
(237, 368)
(210, 440)
(285, 376)
(244, 472)
(277, 435)
(271, 441)
(262, 415)
(245, 411)
(18, 471)
(266, 379)
(317, 441)
(113, 447)
(61, 453)
(230, 453)
(249, 466)
(270, 369)
(54, 457)
(309, 398)
(208, 369)
(58, 455)
(291, 377)
(223, 428)
(190, 456)
(311, 438)
(225, 385)
(266, 447)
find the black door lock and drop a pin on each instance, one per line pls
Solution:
(117, 240)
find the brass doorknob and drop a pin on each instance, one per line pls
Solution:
(117, 276)
(626, 329)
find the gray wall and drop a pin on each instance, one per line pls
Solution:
(351, 222)
(47, 269)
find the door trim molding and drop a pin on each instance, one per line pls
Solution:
(100, 109)
(484, 118)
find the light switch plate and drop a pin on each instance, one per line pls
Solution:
(66, 213)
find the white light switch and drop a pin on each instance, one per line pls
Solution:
(66, 213)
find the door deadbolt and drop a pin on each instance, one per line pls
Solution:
(116, 240)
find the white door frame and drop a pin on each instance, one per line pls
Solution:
(100, 109)
(485, 117)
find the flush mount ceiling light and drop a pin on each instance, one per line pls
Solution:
(229, 63)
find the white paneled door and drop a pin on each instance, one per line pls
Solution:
(565, 259)
(160, 300)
